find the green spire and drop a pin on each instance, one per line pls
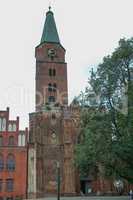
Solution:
(50, 33)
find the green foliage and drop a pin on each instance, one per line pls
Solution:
(108, 127)
(96, 141)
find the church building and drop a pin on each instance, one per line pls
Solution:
(54, 126)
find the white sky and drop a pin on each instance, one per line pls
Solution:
(88, 29)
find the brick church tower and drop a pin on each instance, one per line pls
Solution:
(54, 127)
(51, 69)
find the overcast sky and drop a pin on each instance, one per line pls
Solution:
(88, 29)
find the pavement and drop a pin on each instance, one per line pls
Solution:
(88, 198)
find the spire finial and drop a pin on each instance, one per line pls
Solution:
(49, 6)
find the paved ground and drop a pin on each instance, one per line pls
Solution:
(88, 198)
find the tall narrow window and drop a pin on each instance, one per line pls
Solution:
(9, 185)
(1, 140)
(14, 127)
(54, 72)
(11, 141)
(10, 128)
(10, 165)
(1, 163)
(50, 72)
(54, 87)
(1, 185)
(53, 116)
(19, 140)
(50, 87)
(23, 140)
(2, 124)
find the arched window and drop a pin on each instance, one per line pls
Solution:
(2, 124)
(21, 139)
(1, 140)
(14, 127)
(11, 141)
(10, 165)
(10, 127)
(1, 162)
(51, 99)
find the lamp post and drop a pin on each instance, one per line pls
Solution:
(58, 181)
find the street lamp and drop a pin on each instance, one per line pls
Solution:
(58, 181)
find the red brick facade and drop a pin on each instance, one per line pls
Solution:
(44, 77)
(52, 140)
(13, 158)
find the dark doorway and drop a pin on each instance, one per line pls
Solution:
(86, 186)
(82, 186)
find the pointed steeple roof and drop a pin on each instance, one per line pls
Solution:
(50, 33)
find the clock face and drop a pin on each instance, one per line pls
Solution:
(51, 53)
(53, 135)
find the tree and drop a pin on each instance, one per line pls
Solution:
(95, 141)
(108, 127)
